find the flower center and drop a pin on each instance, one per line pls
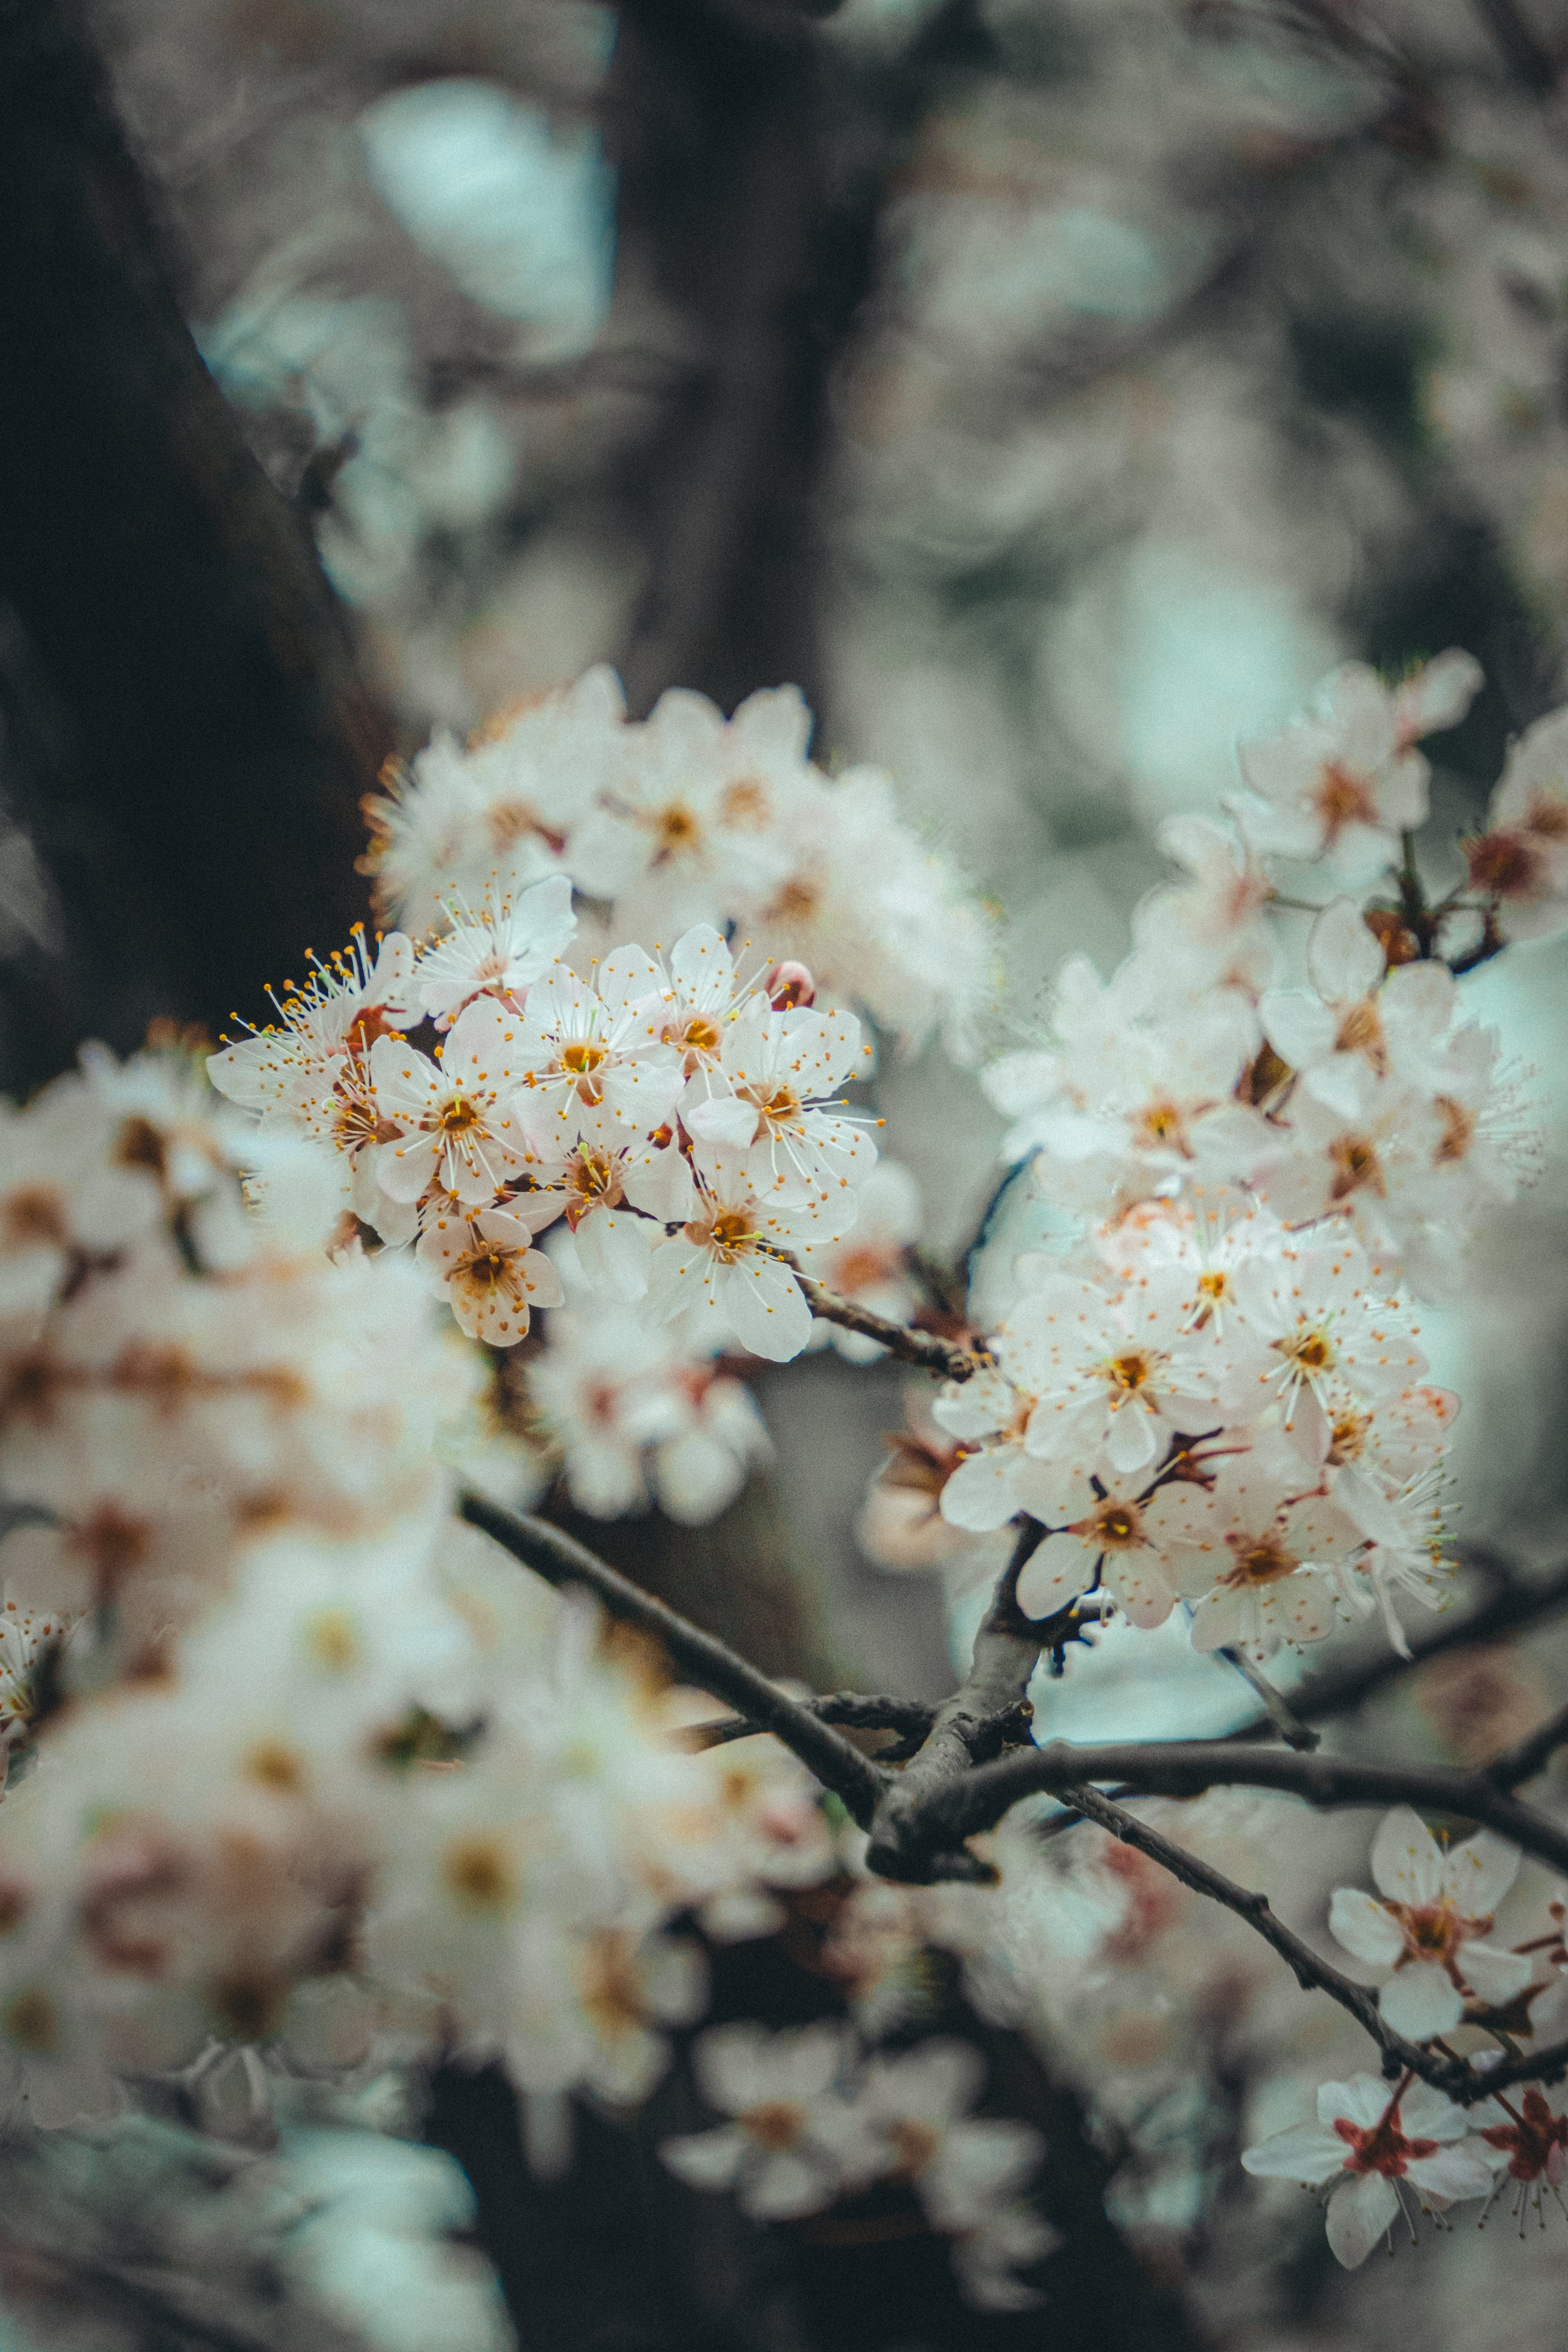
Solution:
(1311, 1350)
(477, 1871)
(1257, 1559)
(30, 2021)
(1356, 1166)
(1340, 799)
(1502, 865)
(728, 1230)
(1114, 1526)
(1384, 2148)
(1160, 1126)
(782, 1107)
(458, 1116)
(34, 1217)
(744, 804)
(774, 2123)
(676, 830)
(1360, 1031)
(1433, 1931)
(1459, 1124)
(1129, 1372)
(582, 1058)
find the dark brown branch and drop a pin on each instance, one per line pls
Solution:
(990, 1709)
(912, 1718)
(1529, 57)
(1463, 2083)
(1527, 1757)
(911, 1347)
(202, 822)
(708, 1663)
(1311, 1971)
(961, 1808)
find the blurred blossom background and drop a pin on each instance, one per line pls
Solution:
(1055, 390)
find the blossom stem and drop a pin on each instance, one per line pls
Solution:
(1289, 1725)
(911, 1346)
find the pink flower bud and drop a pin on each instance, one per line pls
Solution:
(789, 984)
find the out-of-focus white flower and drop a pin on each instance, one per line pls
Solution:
(1518, 866)
(1431, 1924)
(1375, 2141)
(916, 2104)
(633, 1413)
(690, 823)
(793, 2139)
(1341, 782)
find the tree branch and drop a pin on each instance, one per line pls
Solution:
(961, 1808)
(912, 1718)
(990, 1710)
(1311, 1971)
(1529, 57)
(1526, 1758)
(710, 1664)
(911, 1347)
(1463, 2083)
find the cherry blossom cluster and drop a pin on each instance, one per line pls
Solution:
(810, 2122)
(683, 818)
(1382, 2148)
(680, 1122)
(1213, 1394)
(298, 1762)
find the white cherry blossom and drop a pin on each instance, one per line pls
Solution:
(1429, 1923)
(1257, 1550)
(1324, 1329)
(722, 1272)
(489, 1272)
(575, 1046)
(771, 1099)
(497, 953)
(1113, 1375)
(793, 2138)
(1520, 865)
(1368, 2140)
(1340, 782)
(456, 1123)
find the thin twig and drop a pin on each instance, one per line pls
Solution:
(1286, 1722)
(912, 1718)
(911, 1346)
(1461, 2081)
(1527, 1757)
(1527, 55)
(839, 1765)
(1311, 1971)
